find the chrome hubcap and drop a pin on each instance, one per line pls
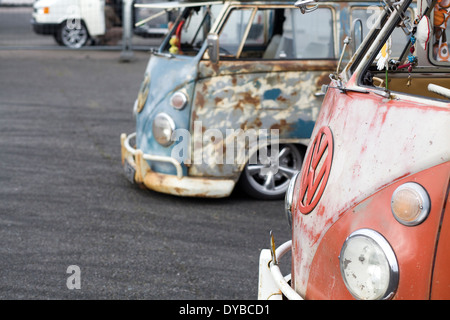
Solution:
(272, 174)
(74, 38)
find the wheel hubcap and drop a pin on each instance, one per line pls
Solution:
(74, 38)
(272, 174)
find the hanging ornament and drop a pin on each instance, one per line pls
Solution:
(412, 59)
(423, 32)
(174, 45)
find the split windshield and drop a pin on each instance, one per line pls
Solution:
(415, 53)
(419, 38)
(277, 33)
(253, 32)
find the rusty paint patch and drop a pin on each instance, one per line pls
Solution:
(199, 100)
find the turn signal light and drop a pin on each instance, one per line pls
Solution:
(410, 204)
(179, 100)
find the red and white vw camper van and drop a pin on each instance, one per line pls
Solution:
(370, 209)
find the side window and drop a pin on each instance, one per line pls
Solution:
(233, 32)
(273, 34)
(367, 16)
(311, 34)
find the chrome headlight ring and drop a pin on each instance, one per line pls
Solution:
(163, 128)
(289, 198)
(369, 266)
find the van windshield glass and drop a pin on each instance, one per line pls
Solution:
(423, 67)
(277, 33)
(369, 16)
(191, 29)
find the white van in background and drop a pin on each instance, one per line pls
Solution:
(71, 22)
(74, 22)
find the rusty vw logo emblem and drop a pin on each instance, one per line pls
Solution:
(316, 171)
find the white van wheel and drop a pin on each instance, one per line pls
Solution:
(270, 181)
(58, 39)
(73, 37)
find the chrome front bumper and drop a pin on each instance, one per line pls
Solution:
(137, 169)
(272, 284)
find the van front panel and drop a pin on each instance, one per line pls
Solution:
(369, 154)
(166, 77)
(376, 135)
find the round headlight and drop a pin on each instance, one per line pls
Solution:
(410, 204)
(369, 266)
(163, 127)
(179, 100)
(143, 94)
(289, 198)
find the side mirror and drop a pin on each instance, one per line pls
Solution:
(213, 47)
(306, 6)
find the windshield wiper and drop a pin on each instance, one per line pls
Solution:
(341, 88)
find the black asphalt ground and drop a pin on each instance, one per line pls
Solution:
(65, 201)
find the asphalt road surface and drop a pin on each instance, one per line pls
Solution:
(65, 201)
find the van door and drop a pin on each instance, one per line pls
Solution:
(93, 15)
(273, 63)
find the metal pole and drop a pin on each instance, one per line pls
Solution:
(127, 51)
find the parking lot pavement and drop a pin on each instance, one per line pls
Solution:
(64, 200)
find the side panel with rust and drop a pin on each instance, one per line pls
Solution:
(274, 95)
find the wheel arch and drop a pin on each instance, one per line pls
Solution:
(65, 20)
(301, 144)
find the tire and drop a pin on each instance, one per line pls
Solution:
(58, 39)
(73, 37)
(259, 182)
